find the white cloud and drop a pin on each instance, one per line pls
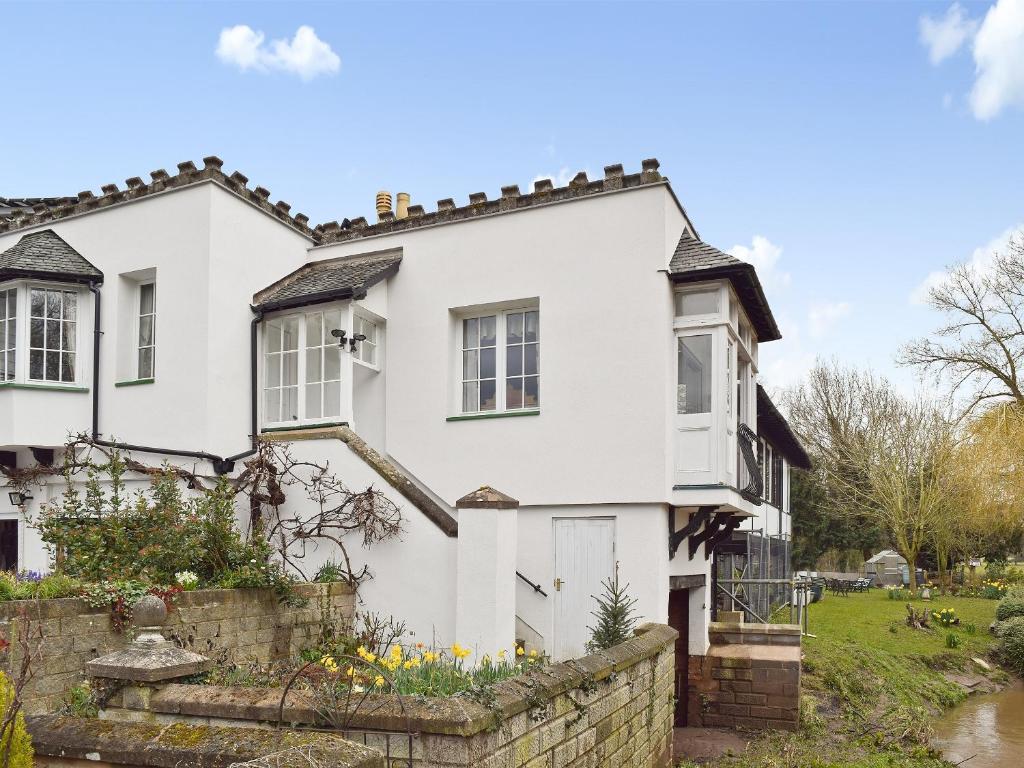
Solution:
(764, 255)
(999, 60)
(980, 262)
(305, 55)
(946, 35)
(823, 316)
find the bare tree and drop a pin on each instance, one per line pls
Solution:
(981, 344)
(885, 457)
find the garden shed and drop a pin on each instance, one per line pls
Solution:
(887, 567)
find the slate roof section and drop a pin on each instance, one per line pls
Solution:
(46, 255)
(329, 280)
(695, 261)
(773, 426)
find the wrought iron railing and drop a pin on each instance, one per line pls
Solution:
(750, 484)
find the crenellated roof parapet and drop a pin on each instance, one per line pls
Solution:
(160, 181)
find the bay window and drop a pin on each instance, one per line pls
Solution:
(302, 368)
(500, 361)
(366, 350)
(39, 334)
(52, 343)
(694, 374)
(8, 333)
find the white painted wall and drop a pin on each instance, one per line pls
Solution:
(210, 252)
(606, 359)
(485, 617)
(641, 549)
(413, 575)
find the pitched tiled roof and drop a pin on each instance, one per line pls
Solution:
(544, 192)
(694, 261)
(328, 280)
(44, 254)
(774, 427)
(53, 209)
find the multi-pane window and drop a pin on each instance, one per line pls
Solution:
(302, 367)
(147, 330)
(52, 335)
(501, 362)
(323, 366)
(693, 394)
(480, 364)
(281, 369)
(8, 333)
(522, 357)
(366, 350)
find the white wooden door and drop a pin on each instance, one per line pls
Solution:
(584, 557)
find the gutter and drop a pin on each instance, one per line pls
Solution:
(221, 465)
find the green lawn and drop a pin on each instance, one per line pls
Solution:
(871, 684)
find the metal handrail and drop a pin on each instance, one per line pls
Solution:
(536, 587)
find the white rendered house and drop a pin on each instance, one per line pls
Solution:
(579, 348)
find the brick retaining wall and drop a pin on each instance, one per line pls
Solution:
(239, 624)
(750, 678)
(611, 708)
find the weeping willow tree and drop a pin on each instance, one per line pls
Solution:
(989, 472)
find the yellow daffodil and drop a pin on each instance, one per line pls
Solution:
(378, 681)
(501, 654)
(533, 653)
(396, 652)
(520, 651)
(365, 655)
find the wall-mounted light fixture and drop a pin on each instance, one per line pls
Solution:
(354, 340)
(339, 334)
(18, 498)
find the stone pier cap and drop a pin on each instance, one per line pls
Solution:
(150, 658)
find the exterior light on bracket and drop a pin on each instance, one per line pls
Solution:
(339, 334)
(18, 498)
(354, 340)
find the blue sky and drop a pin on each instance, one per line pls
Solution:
(837, 142)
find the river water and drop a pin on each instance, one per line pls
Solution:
(986, 731)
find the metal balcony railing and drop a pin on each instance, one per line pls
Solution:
(748, 472)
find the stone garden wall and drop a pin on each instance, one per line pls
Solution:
(750, 678)
(612, 708)
(239, 624)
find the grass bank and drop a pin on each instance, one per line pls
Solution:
(872, 684)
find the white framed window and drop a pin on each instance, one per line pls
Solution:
(694, 375)
(302, 365)
(8, 333)
(366, 350)
(147, 331)
(701, 302)
(53, 333)
(500, 361)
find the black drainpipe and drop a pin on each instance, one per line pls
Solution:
(221, 465)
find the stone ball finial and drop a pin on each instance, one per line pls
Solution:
(150, 611)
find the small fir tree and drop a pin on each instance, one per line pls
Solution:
(615, 615)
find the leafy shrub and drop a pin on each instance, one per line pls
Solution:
(970, 628)
(15, 738)
(1010, 606)
(102, 536)
(80, 701)
(952, 640)
(331, 571)
(1011, 642)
